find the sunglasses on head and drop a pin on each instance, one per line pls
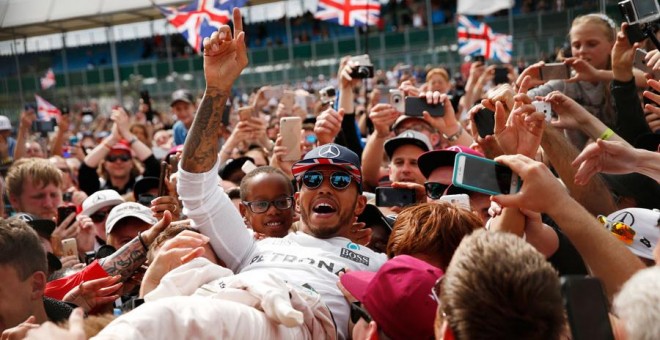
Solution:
(357, 313)
(435, 190)
(122, 157)
(99, 216)
(260, 207)
(620, 230)
(338, 179)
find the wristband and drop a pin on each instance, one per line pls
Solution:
(454, 136)
(606, 134)
(142, 242)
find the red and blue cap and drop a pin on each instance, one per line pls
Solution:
(330, 154)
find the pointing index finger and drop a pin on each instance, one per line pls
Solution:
(238, 21)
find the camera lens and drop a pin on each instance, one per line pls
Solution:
(363, 71)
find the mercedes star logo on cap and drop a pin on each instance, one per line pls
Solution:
(329, 151)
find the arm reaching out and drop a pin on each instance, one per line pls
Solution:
(615, 157)
(607, 257)
(225, 57)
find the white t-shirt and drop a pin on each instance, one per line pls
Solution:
(298, 258)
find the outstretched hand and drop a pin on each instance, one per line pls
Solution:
(225, 55)
(612, 157)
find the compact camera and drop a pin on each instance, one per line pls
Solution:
(328, 95)
(363, 68)
(397, 100)
(642, 16)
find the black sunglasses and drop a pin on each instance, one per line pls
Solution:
(99, 216)
(435, 190)
(122, 157)
(260, 207)
(357, 313)
(338, 179)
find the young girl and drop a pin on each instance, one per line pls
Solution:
(592, 37)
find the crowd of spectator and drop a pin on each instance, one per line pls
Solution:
(335, 209)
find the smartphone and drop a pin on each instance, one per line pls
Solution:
(64, 212)
(501, 75)
(162, 186)
(44, 125)
(461, 200)
(586, 307)
(226, 113)
(545, 108)
(415, 106)
(479, 58)
(290, 130)
(244, 113)
(640, 63)
(274, 92)
(484, 119)
(394, 197)
(288, 99)
(69, 247)
(73, 140)
(555, 71)
(484, 175)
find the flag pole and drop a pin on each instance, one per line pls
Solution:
(366, 51)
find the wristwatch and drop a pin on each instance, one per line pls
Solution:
(455, 136)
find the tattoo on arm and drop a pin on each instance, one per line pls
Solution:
(126, 260)
(201, 148)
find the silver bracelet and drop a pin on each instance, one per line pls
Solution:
(455, 136)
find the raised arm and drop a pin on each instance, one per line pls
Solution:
(225, 57)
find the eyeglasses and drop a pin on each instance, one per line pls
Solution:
(435, 190)
(99, 216)
(260, 207)
(357, 313)
(122, 157)
(338, 179)
(620, 230)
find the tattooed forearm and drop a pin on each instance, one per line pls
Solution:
(200, 151)
(126, 260)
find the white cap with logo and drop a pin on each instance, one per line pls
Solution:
(100, 199)
(128, 209)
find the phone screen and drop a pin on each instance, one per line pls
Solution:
(554, 71)
(586, 307)
(481, 174)
(484, 119)
(394, 197)
(646, 10)
(501, 75)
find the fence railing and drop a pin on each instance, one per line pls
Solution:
(534, 34)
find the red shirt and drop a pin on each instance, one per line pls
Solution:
(56, 289)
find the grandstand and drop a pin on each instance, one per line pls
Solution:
(311, 48)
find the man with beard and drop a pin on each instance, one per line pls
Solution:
(285, 287)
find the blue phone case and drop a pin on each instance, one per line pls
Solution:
(477, 189)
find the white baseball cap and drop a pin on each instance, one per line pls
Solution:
(128, 209)
(5, 124)
(100, 199)
(646, 225)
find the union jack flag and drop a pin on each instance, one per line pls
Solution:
(46, 110)
(200, 18)
(477, 38)
(349, 12)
